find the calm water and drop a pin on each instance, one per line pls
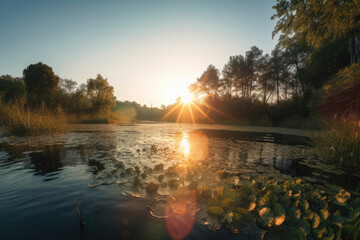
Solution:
(40, 178)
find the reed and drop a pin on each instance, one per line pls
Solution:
(21, 121)
(339, 145)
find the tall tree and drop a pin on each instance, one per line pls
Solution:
(279, 69)
(318, 22)
(209, 81)
(41, 83)
(266, 85)
(101, 94)
(296, 56)
(252, 60)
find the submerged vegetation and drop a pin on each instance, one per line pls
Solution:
(255, 201)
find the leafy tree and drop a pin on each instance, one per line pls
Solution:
(266, 85)
(325, 61)
(80, 103)
(319, 22)
(252, 61)
(209, 81)
(11, 89)
(41, 83)
(341, 94)
(231, 73)
(279, 70)
(101, 94)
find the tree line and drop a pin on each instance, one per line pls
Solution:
(316, 40)
(41, 87)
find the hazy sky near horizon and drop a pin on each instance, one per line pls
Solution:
(150, 51)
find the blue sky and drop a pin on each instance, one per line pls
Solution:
(150, 51)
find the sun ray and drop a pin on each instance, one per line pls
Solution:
(218, 111)
(191, 113)
(180, 113)
(202, 112)
(205, 77)
(173, 109)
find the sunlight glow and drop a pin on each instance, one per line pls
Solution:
(187, 97)
(185, 146)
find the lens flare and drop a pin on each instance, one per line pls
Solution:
(186, 97)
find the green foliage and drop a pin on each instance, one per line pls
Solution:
(11, 88)
(341, 95)
(289, 209)
(21, 121)
(41, 83)
(315, 21)
(339, 145)
(209, 81)
(101, 94)
(325, 61)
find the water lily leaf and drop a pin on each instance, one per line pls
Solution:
(316, 221)
(226, 202)
(328, 234)
(304, 204)
(324, 213)
(298, 214)
(252, 206)
(219, 191)
(279, 220)
(337, 219)
(264, 200)
(320, 231)
(278, 209)
(297, 194)
(252, 198)
(342, 197)
(299, 233)
(157, 209)
(215, 210)
(264, 211)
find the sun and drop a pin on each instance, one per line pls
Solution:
(186, 97)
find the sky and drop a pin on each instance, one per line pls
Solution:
(149, 50)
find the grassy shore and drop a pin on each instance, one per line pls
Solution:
(339, 145)
(21, 121)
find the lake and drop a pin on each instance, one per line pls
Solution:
(108, 169)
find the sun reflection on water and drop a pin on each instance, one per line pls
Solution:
(185, 146)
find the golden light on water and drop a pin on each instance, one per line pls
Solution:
(185, 146)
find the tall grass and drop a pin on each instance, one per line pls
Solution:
(339, 145)
(21, 121)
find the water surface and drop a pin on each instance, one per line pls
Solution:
(107, 169)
